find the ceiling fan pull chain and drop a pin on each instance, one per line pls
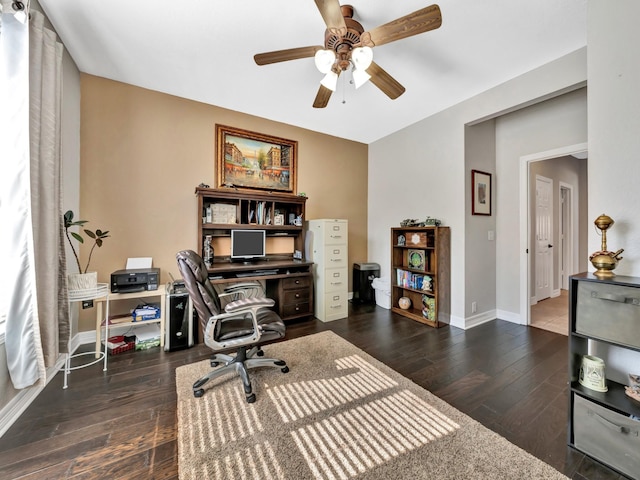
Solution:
(344, 88)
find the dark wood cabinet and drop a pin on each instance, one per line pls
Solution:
(287, 280)
(221, 210)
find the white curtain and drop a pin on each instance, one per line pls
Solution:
(30, 197)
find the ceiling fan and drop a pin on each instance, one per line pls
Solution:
(347, 45)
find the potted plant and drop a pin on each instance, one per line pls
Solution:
(83, 279)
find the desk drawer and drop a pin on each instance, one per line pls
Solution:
(610, 312)
(296, 309)
(294, 296)
(296, 282)
(606, 435)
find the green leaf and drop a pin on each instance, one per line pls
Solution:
(77, 237)
(99, 242)
(90, 234)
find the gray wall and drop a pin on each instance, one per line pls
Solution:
(422, 170)
(480, 252)
(614, 143)
(546, 126)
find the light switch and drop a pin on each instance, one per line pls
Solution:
(491, 235)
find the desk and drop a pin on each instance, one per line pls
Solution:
(289, 283)
(112, 297)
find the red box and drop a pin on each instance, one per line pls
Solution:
(116, 344)
(122, 348)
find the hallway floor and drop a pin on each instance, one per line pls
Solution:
(552, 314)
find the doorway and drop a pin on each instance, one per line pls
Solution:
(547, 277)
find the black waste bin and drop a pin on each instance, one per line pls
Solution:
(363, 275)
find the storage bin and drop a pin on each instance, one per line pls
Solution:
(607, 436)
(382, 288)
(610, 312)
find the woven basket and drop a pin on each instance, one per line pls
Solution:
(82, 281)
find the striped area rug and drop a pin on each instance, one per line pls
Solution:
(338, 414)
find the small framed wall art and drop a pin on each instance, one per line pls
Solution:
(480, 193)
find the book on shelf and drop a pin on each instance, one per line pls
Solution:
(415, 281)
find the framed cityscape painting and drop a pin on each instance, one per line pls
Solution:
(254, 160)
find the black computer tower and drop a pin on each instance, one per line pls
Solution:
(179, 331)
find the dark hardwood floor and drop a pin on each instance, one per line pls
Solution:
(122, 423)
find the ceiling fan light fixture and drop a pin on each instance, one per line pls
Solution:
(324, 60)
(330, 81)
(362, 57)
(360, 77)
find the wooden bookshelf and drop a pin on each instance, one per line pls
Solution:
(420, 271)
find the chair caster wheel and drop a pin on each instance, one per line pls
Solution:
(260, 353)
(251, 398)
(284, 370)
(214, 364)
(198, 393)
(247, 389)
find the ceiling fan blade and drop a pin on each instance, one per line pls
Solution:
(285, 55)
(322, 97)
(385, 82)
(332, 16)
(421, 21)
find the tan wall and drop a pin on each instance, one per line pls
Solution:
(143, 153)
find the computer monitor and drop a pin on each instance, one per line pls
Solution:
(247, 245)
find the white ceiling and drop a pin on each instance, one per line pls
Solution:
(203, 50)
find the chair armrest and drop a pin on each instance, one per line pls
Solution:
(252, 337)
(247, 303)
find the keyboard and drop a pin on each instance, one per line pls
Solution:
(257, 273)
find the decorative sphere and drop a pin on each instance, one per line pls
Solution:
(404, 302)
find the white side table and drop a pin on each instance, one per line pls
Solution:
(101, 291)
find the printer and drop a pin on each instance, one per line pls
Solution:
(135, 280)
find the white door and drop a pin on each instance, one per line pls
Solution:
(544, 235)
(565, 251)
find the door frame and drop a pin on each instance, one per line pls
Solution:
(525, 247)
(570, 227)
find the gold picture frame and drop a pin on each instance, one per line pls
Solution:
(252, 160)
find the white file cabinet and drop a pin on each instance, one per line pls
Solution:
(327, 248)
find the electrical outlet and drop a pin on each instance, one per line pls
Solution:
(474, 307)
(87, 304)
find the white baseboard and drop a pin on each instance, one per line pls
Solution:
(479, 319)
(457, 322)
(510, 317)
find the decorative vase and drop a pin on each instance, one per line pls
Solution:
(592, 373)
(82, 281)
(404, 303)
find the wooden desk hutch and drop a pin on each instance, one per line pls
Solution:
(288, 281)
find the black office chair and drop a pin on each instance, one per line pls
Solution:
(242, 325)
